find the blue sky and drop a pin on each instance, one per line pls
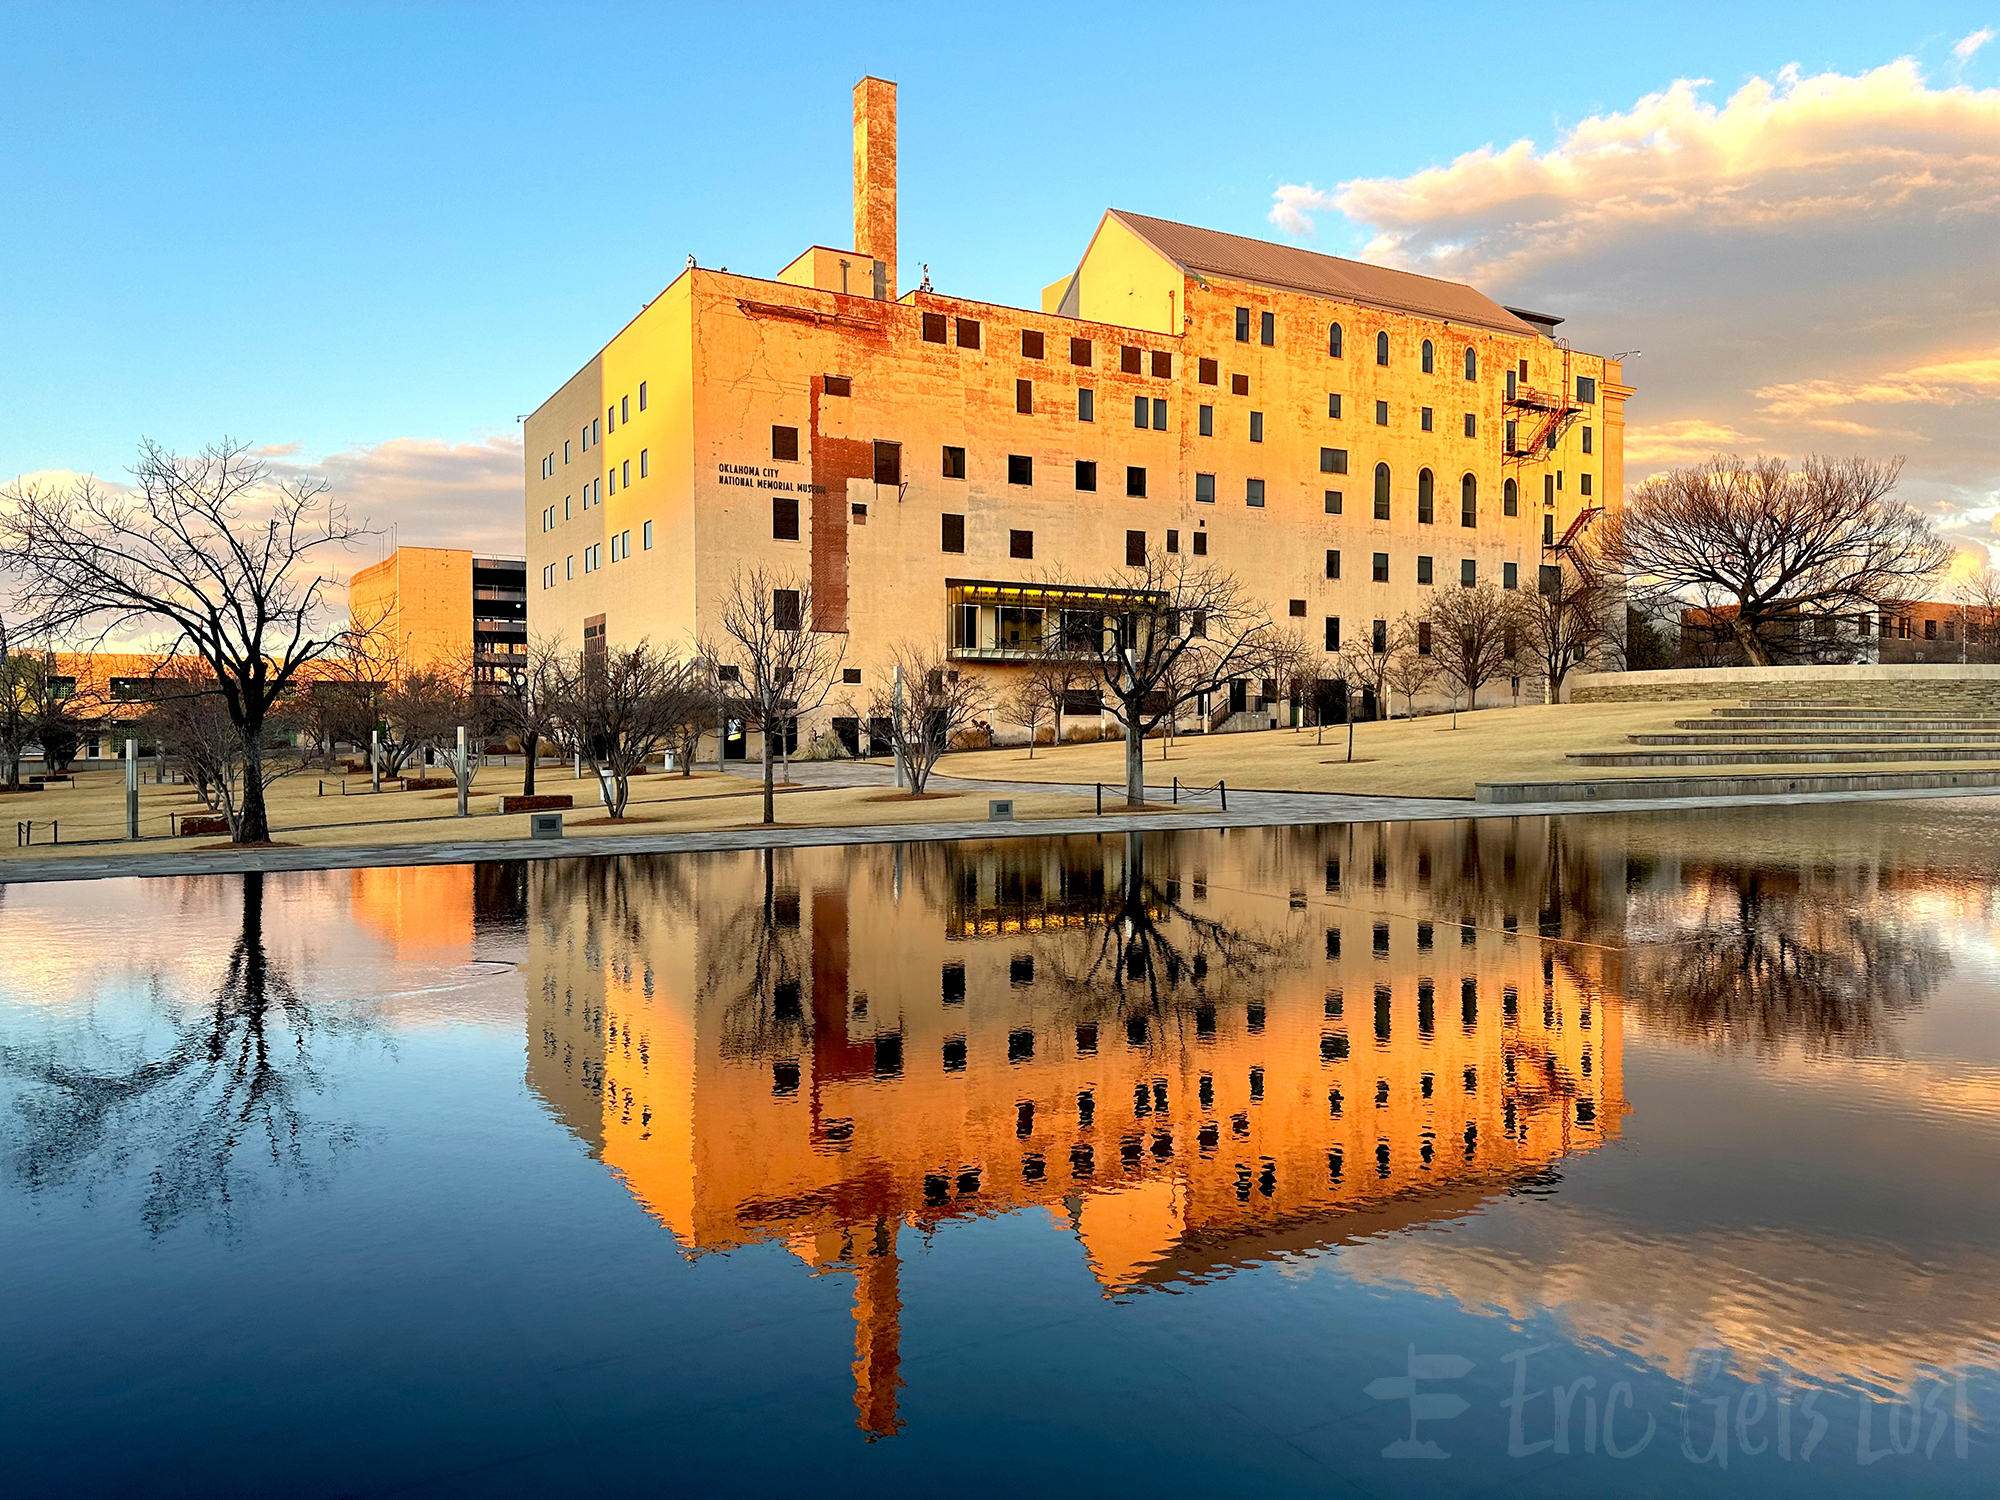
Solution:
(339, 227)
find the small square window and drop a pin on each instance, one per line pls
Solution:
(837, 385)
(1020, 544)
(1131, 360)
(954, 463)
(1256, 427)
(1253, 493)
(1204, 488)
(1206, 422)
(1381, 567)
(1024, 397)
(1020, 469)
(1267, 329)
(1333, 404)
(1239, 385)
(1206, 372)
(1333, 460)
(1298, 609)
(1424, 419)
(1468, 573)
(952, 534)
(1586, 389)
(785, 444)
(1242, 325)
(1031, 344)
(1079, 352)
(1086, 474)
(1163, 364)
(968, 333)
(1423, 570)
(1201, 544)
(934, 328)
(850, 675)
(1381, 414)
(859, 514)
(1332, 563)
(1135, 482)
(1333, 500)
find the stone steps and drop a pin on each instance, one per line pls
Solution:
(1754, 709)
(1696, 738)
(1801, 755)
(1821, 726)
(1731, 785)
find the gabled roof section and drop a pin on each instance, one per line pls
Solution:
(1239, 258)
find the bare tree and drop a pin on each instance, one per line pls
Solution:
(1565, 623)
(528, 703)
(1171, 630)
(423, 711)
(1412, 667)
(1059, 673)
(213, 550)
(618, 708)
(1307, 678)
(1360, 669)
(780, 663)
(935, 702)
(1474, 632)
(1978, 597)
(1759, 547)
(1286, 651)
(190, 720)
(1028, 704)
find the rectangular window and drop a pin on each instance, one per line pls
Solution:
(1586, 390)
(1381, 414)
(1253, 493)
(1297, 609)
(1135, 549)
(1510, 500)
(1024, 397)
(934, 329)
(1159, 414)
(1267, 329)
(625, 473)
(1086, 474)
(565, 450)
(1031, 344)
(1173, 540)
(566, 509)
(888, 463)
(1468, 509)
(1548, 489)
(1424, 509)
(1142, 413)
(1510, 575)
(952, 534)
(1381, 567)
(968, 333)
(1378, 637)
(1204, 488)
(1423, 637)
(1086, 405)
(1471, 425)
(1381, 495)
(1020, 469)
(1242, 325)
(1333, 405)
(1424, 419)
(1333, 460)
(1201, 544)
(785, 518)
(1583, 483)
(642, 395)
(610, 419)
(1131, 360)
(1332, 563)
(625, 543)
(1020, 544)
(1239, 385)
(1468, 573)
(785, 614)
(837, 385)
(624, 408)
(596, 437)
(1423, 570)
(1163, 364)
(646, 531)
(1206, 423)
(645, 462)
(1135, 482)
(1510, 436)
(1586, 440)
(614, 479)
(1333, 502)
(1079, 352)
(1205, 371)
(1333, 632)
(1256, 427)
(569, 566)
(954, 463)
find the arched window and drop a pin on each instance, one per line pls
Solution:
(1430, 358)
(1381, 492)
(1426, 495)
(1333, 346)
(1468, 501)
(1471, 363)
(1510, 498)
(1381, 348)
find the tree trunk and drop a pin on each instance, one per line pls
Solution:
(770, 800)
(1350, 735)
(533, 744)
(253, 822)
(1135, 759)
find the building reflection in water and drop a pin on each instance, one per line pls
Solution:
(1199, 1051)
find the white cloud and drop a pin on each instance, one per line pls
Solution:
(1814, 263)
(1965, 46)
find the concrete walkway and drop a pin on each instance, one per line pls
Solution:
(1247, 809)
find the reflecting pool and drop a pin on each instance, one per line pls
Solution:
(1621, 1154)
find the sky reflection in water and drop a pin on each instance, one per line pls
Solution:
(1079, 1166)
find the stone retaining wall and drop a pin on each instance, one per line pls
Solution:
(1972, 687)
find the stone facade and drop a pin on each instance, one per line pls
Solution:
(1970, 687)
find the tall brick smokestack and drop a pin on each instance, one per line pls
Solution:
(875, 177)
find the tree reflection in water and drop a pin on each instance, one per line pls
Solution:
(215, 1118)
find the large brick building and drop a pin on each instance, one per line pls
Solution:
(1343, 437)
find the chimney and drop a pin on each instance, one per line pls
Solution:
(875, 180)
